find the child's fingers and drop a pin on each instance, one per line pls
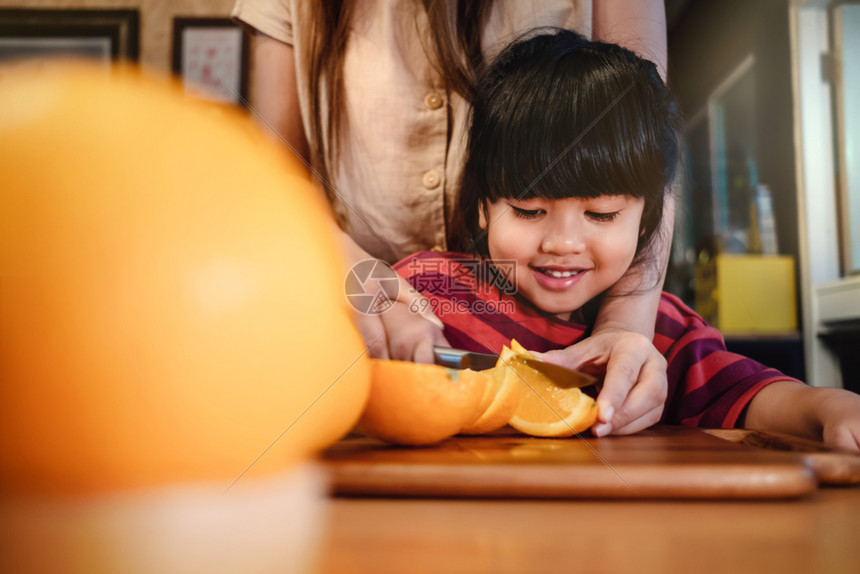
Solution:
(410, 336)
(647, 396)
(423, 352)
(374, 335)
(430, 337)
(404, 297)
(842, 438)
(622, 373)
(571, 357)
(648, 419)
(417, 303)
(643, 406)
(628, 370)
(424, 349)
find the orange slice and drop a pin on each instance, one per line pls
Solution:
(491, 389)
(544, 408)
(506, 397)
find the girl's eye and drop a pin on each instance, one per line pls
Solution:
(602, 217)
(526, 213)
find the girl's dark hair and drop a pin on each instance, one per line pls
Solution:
(453, 47)
(558, 116)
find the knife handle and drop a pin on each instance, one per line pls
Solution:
(451, 358)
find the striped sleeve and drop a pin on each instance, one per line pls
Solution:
(479, 310)
(708, 385)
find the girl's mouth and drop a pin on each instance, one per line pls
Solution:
(557, 278)
(558, 274)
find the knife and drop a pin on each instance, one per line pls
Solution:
(460, 359)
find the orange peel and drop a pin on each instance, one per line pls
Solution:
(421, 404)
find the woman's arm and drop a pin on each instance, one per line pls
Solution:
(275, 94)
(638, 25)
(400, 332)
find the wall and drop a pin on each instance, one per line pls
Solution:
(831, 302)
(156, 20)
(708, 41)
(711, 39)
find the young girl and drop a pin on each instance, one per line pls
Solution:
(571, 149)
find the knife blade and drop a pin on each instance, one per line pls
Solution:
(460, 359)
(561, 376)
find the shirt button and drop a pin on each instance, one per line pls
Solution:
(433, 101)
(431, 180)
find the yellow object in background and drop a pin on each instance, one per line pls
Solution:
(747, 294)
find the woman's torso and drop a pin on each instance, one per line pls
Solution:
(403, 134)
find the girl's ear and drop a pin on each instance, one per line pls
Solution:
(482, 215)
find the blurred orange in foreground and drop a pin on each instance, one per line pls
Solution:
(170, 292)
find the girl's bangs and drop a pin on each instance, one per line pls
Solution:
(574, 137)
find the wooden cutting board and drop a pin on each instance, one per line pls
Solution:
(663, 462)
(830, 467)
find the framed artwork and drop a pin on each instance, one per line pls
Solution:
(210, 55)
(103, 35)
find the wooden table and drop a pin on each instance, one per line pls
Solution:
(820, 533)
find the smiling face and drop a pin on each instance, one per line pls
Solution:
(567, 251)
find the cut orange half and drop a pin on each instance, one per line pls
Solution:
(421, 404)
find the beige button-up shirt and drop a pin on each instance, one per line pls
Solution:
(403, 136)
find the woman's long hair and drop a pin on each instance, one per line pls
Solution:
(456, 54)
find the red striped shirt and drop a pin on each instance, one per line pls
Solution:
(708, 385)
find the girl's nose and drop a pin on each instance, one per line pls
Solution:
(563, 239)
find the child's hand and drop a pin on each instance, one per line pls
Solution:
(823, 414)
(839, 413)
(407, 331)
(634, 378)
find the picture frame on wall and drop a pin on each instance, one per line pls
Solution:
(101, 35)
(210, 56)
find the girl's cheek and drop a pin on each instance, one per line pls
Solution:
(507, 245)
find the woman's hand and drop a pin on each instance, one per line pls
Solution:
(634, 378)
